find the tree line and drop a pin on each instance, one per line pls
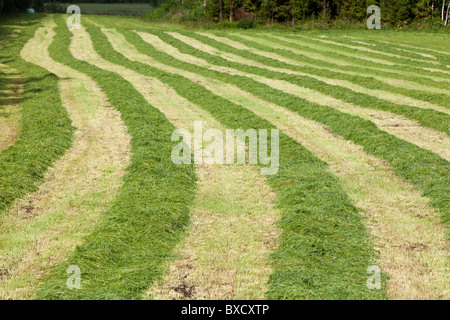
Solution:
(394, 12)
(9, 6)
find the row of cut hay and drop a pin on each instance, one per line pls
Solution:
(403, 54)
(303, 197)
(42, 229)
(358, 77)
(233, 228)
(423, 168)
(396, 125)
(414, 65)
(427, 117)
(444, 54)
(422, 83)
(431, 43)
(129, 249)
(45, 128)
(395, 50)
(360, 65)
(267, 49)
(389, 221)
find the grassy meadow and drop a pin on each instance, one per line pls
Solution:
(87, 179)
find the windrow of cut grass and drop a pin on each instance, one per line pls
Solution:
(426, 117)
(127, 252)
(402, 52)
(45, 128)
(399, 126)
(390, 221)
(377, 88)
(324, 248)
(373, 43)
(426, 49)
(397, 79)
(44, 227)
(394, 124)
(436, 58)
(383, 69)
(438, 71)
(422, 168)
(272, 57)
(233, 229)
(351, 63)
(226, 253)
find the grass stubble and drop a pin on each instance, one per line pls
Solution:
(407, 231)
(333, 273)
(397, 125)
(323, 248)
(42, 229)
(233, 232)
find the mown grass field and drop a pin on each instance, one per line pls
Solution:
(86, 176)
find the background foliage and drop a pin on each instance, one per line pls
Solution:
(426, 14)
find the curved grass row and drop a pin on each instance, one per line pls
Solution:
(424, 49)
(426, 117)
(125, 254)
(331, 149)
(357, 63)
(398, 126)
(363, 80)
(373, 41)
(426, 170)
(359, 76)
(325, 248)
(46, 130)
(407, 54)
(365, 66)
(434, 43)
(404, 63)
(384, 50)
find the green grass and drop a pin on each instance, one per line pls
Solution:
(364, 67)
(426, 117)
(46, 130)
(424, 169)
(420, 44)
(325, 249)
(364, 79)
(120, 258)
(405, 66)
(386, 48)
